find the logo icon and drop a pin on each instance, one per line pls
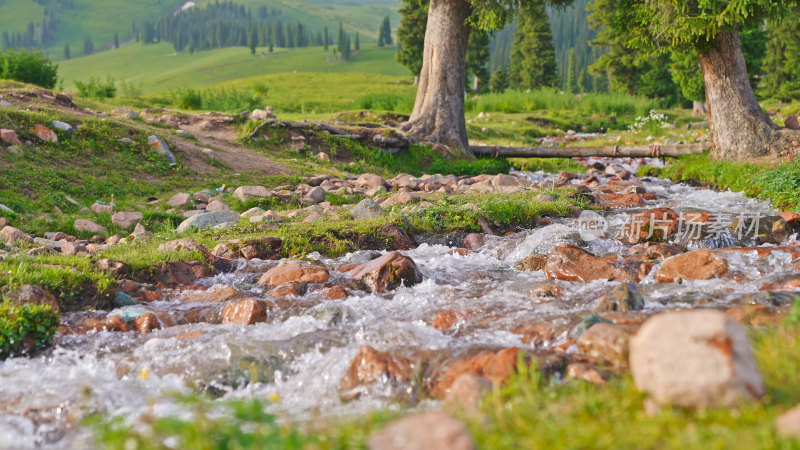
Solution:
(591, 225)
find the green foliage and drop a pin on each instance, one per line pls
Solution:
(553, 100)
(411, 34)
(794, 314)
(781, 69)
(96, 89)
(499, 82)
(685, 70)
(223, 99)
(385, 33)
(34, 324)
(381, 101)
(28, 67)
(533, 58)
(779, 184)
(478, 59)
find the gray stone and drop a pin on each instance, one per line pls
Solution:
(122, 299)
(260, 114)
(317, 194)
(623, 298)
(208, 220)
(6, 209)
(695, 359)
(62, 126)
(49, 243)
(216, 205)
(788, 424)
(245, 193)
(184, 134)
(73, 248)
(366, 209)
(102, 208)
(6, 104)
(179, 200)
(161, 147)
(252, 212)
(9, 235)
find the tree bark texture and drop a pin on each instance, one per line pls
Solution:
(438, 114)
(739, 128)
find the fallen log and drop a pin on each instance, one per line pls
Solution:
(634, 151)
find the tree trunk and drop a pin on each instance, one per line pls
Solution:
(698, 109)
(438, 114)
(739, 128)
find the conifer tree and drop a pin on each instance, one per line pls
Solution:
(499, 81)
(357, 45)
(533, 56)
(66, 51)
(116, 40)
(411, 34)
(572, 73)
(326, 38)
(478, 59)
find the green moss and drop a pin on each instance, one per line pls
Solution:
(71, 279)
(25, 328)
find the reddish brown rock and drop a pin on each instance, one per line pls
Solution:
(335, 293)
(622, 200)
(9, 235)
(219, 295)
(289, 288)
(423, 431)
(31, 294)
(535, 334)
(531, 263)
(655, 251)
(570, 263)
(547, 290)
(754, 315)
(146, 323)
(466, 393)
(245, 312)
(656, 224)
(585, 372)
(150, 296)
(294, 271)
(696, 265)
(444, 320)
(115, 268)
(371, 366)
(606, 342)
(399, 238)
(174, 273)
(388, 272)
(115, 323)
(497, 367)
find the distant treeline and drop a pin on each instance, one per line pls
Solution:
(227, 24)
(38, 34)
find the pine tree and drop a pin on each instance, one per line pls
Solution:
(116, 40)
(499, 81)
(66, 51)
(411, 34)
(572, 73)
(385, 33)
(88, 46)
(252, 40)
(357, 45)
(533, 57)
(478, 60)
(781, 68)
(326, 38)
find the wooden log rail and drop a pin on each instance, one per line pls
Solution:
(634, 151)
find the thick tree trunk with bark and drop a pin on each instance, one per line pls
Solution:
(438, 114)
(739, 128)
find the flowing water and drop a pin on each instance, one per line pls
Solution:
(295, 360)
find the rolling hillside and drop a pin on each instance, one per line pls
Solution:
(101, 19)
(159, 69)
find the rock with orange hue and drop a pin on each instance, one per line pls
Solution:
(219, 295)
(585, 372)
(245, 312)
(699, 264)
(151, 296)
(535, 334)
(792, 218)
(115, 268)
(399, 238)
(570, 263)
(622, 298)
(695, 359)
(656, 224)
(606, 342)
(497, 367)
(621, 200)
(371, 366)
(146, 323)
(531, 263)
(655, 251)
(547, 290)
(294, 271)
(288, 288)
(473, 241)
(754, 315)
(335, 293)
(423, 431)
(388, 272)
(444, 320)
(116, 323)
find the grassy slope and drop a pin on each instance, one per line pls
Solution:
(100, 19)
(159, 69)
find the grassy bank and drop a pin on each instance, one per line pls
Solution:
(530, 412)
(780, 184)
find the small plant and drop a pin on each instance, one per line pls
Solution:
(94, 88)
(25, 328)
(651, 122)
(29, 67)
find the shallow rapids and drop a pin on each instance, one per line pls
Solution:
(296, 360)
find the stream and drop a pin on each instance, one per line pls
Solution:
(296, 359)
